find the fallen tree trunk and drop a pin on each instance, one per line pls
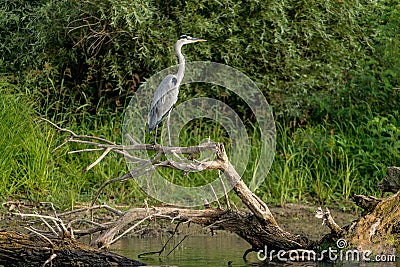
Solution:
(18, 249)
(379, 231)
(256, 232)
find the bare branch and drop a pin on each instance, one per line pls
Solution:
(130, 138)
(119, 179)
(113, 210)
(58, 127)
(225, 192)
(99, 225)
(49, 226)
(253, 202)
(85, 150)
(52, 257)
(128, 230)
(180, 242)
(38, 216)
(39, 234)
(74, 135)
(106, 151)
(329, 221)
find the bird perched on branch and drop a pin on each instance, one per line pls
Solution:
(167, 91)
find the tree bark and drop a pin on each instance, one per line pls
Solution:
(18, 249)
(256, 232)
(379, 230)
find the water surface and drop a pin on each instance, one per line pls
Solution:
(206, 250)
(197, 250)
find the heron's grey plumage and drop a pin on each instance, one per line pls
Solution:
(165, 97)
(167, 91)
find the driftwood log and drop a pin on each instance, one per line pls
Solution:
(376, 230)
(19, 249)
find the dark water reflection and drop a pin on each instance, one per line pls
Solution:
(204, 250)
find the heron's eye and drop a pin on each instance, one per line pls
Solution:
(183, 37)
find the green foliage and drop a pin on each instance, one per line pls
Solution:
(18, 34)
(30, 170)
(331, 162)
(98, 51)
(24, 148)
(374, 87)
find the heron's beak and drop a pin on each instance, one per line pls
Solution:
(199, 40)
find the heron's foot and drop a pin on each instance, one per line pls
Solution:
(154, 144)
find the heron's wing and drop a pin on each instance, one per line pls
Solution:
(164, 98)
(167, 84)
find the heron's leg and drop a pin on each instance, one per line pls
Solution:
(155, 135)
(169, 134)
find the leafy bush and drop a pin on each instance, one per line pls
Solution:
(373, 89)
(98, 51)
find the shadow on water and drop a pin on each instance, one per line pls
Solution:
(207, 250)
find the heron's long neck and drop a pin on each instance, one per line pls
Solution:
(181, 67)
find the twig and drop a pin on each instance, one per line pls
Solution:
(328, 220)
(69, 225)
(131, 174)
(164, 246)
(39, 234)
(58, 127)
(216, 197)
(129, 229)
(119, 179)
(98, 159)
(215, 223)
(234, 205)
(49, 260)
(225, 192)
(169, 239)
(103, 206)
(49, 226)
(74, 135)
(177, 244)
(129, 137)
(62, 144)
(38, 216)
(85, 150)
(58, 222)
(93, 230)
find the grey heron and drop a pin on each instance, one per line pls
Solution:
(167, 91)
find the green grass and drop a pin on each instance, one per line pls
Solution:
(24, 157)
(329, 163)
(31, 171)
